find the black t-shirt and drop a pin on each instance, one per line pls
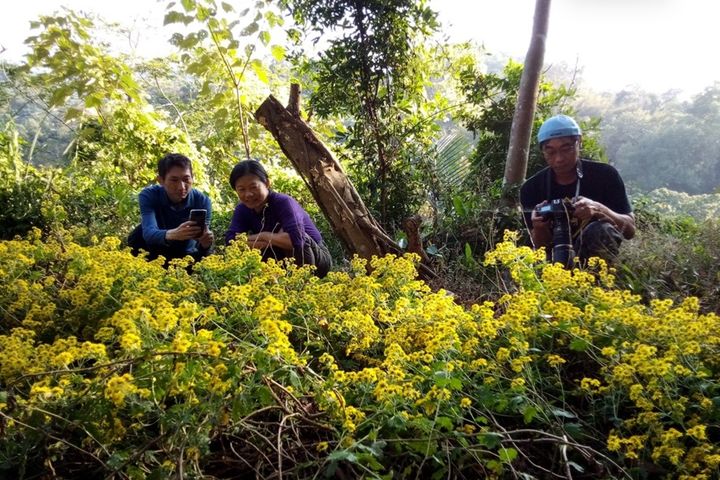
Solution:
(599, 182)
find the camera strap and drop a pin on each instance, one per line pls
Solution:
(548, 184)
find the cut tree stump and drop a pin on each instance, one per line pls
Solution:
(348, 216)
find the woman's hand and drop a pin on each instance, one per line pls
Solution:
(269, 239)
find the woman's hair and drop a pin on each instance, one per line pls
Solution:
(251, 167)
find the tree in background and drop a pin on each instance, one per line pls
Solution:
(374, 73)
(521, 130)
(661, 141)
(115, 136)
(491, 101)
(98, 96)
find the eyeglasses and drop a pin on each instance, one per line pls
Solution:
(563, 150)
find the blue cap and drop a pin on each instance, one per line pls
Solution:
(558, 126)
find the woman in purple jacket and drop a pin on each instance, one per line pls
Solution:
(274, 222)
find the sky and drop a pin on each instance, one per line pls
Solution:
(656, 45)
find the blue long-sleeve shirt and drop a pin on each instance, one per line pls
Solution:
(281, 212)
(158, 215)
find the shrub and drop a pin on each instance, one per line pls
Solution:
(116, 366)
(673, 257)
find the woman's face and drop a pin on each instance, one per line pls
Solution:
(252, 191)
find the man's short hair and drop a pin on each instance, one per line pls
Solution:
(173, 160)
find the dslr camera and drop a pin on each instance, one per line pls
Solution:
(559, 211)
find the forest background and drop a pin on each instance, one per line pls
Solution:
(421, 126)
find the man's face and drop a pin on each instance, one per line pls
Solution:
(177, 183)
(561, 154)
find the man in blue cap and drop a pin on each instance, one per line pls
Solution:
(589, 196)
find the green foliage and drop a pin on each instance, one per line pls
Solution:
(669, 204)
(77, 67)
(375, 72)
(492, 99)
(117, 133)
(118, 366)
(50, 198)
(662, 141)
(673, 254)
(223, 59)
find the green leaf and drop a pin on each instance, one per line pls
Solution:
(559, 412)
(188, 5)
(250, 29)
(376, 448)
(579, 345)
(260, 70)
(370, 461)
(507, 455)
(573, 429)
(495, 466)
(227, 7)
(274, 19)
(342, 455)
(423, 446)
(60, 95)
(73, 113)
(264, 36)
(173, 17)
(444, 423)
(278, 52)
(459, 206)
(489, 440)
(264, 396)
(93, 101)
(529, 414)
(468, 253)
(440, 473)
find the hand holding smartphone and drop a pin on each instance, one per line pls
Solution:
(199, 216)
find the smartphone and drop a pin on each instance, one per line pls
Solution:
(199, 216)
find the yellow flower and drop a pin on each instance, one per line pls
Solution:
(118, 388)
(697, 432)
(555, 360)
(590, 384)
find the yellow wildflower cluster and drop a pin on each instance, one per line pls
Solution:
(181, 358)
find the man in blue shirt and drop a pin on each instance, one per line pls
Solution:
(165, 228)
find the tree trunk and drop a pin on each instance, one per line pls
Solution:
(349, 218)
(517, 158)
(332, 190)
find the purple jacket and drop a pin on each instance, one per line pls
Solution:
(281, 212)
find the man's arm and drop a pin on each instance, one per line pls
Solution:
(152, 233)
(538, 227)
(155, 234)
